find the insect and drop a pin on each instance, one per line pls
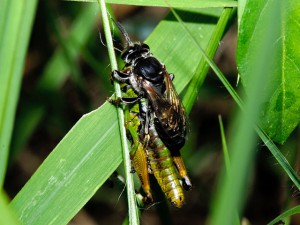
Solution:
(155, 119)
(150, 79)
(151, 155)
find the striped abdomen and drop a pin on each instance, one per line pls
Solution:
(162, 166)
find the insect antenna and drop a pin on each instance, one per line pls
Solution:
(100, 37)
(124, 33)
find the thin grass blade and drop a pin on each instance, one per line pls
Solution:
(288, 213)
(15, 38)
(132, 207)
(173, 3)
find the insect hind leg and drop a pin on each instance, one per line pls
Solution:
(178, 161)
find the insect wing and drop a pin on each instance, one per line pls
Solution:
(174, 100)
(170, 114)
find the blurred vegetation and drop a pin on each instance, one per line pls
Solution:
(66, 75)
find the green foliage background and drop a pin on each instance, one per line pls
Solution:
(91, 151)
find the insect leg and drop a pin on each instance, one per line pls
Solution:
(119, 76)
(124, 100)
(178, 161)
(140, 163)
(130, 100)
(172, 76)
(139, 159)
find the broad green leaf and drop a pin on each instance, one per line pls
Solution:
(172, 3)
(281, 110)
(91, 151)
(15, 25)
(73, 172)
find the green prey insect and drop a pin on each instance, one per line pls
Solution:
(149, 155)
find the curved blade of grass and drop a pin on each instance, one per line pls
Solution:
(173, 3)
(7, 217)
(91, 151)
(132, 208)
(290, 212)
(227, 160)
(16, 29)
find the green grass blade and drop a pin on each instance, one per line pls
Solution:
(7, 217)
(224, 145)
(288, 213)
(15, 38)
(173, 3)
(73, 172)
(226, 160)
(132, 208)
(202, 68)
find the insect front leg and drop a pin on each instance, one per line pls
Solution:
(172, 76)
(121, 76)
(124, 100)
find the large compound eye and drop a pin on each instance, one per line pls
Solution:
(145, 46)
(126, 52)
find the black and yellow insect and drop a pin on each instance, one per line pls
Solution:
(155, 119)
(149, 155)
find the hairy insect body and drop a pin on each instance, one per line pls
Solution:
(155, 121)
(150, 79)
